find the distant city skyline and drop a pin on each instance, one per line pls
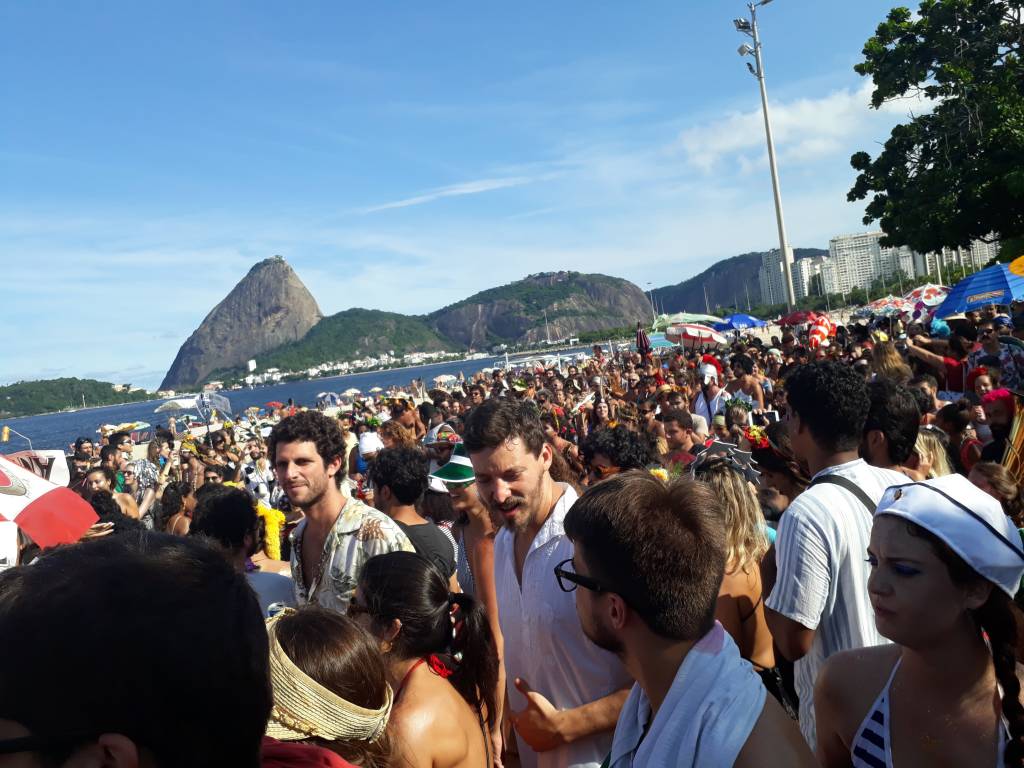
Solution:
(400, 157)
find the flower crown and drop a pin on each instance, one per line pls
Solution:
(757, 437)
(739, 402)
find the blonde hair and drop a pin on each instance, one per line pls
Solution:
(888, 363)
(745, 538)
(401, 436)
(930, 449)
(1002, 482)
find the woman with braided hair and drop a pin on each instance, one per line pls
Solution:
(441, 659)
(945, 562)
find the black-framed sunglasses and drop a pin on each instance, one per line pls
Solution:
(569, 580)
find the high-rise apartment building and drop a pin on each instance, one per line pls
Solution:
(772, 279)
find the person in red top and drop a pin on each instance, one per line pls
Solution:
(950, 362)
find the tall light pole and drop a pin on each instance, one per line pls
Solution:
(654, 311)
(749, 28)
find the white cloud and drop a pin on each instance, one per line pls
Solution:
(805, 130)
(455, 190)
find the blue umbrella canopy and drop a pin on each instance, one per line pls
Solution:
(739, 322)
(992, 285)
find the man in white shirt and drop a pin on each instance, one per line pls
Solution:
(819, 604)
(648, 563)
(565, 693)
(710, 398)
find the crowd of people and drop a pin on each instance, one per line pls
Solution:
(770, 553)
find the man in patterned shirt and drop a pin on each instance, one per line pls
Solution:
(1011, 358)
(338, 534)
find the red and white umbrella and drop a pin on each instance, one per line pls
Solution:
(929, 294)
(694, 334)
(50, 514)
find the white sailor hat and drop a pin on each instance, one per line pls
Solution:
(968, 520)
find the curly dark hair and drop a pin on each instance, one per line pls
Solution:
(895, 414)
(832, 400)
(403, 470)
(313, 427)
(624, 448)
(498, 420)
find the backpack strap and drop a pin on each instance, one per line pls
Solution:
(849, 485)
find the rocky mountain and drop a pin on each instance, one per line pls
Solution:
(551, 304)
(268, 308)
(728, 283)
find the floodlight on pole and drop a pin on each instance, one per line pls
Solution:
(750, 28)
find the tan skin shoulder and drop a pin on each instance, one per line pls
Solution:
(775, 735)
(433, 727)
(847, 685)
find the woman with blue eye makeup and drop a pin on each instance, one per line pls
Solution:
(945, 563)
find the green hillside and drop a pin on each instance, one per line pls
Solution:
(25, 398)
(352, 334)
(536, 292)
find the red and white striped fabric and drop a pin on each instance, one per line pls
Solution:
(823, 328)
(46, 512)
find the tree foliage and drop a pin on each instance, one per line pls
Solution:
(954, 173)
(25, 398)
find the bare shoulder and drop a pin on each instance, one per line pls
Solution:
(775, 734)
(849, 681)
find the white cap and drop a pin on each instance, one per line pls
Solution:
(709, 373)
(968, 520)
(370, 442)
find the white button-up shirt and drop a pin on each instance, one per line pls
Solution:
(544, 644)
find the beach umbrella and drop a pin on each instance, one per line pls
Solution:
(799, 317)
(375, 390)
(992, 285)
(444, 378)
(643, 341)
(739, 322)
(274, 404)
(887, 306)
(929, 294)
(694, 333)
(178, 404)
(351, 392)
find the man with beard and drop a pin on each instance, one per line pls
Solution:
(999, 412)
(646, 571)
(338, 534)
(710, 398)
(564, 693)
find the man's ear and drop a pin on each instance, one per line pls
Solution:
(109, 750)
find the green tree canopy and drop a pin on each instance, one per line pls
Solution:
(955, 173)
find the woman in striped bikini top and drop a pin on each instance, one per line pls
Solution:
(947, 692)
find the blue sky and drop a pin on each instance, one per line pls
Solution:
(401, 156)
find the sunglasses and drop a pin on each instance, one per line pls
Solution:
(456, 485)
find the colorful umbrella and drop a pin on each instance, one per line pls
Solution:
(887, 306)
(697, 334)
(992, 285)
(274, 404)
(929, 294)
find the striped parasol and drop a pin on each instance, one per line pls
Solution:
(694, 334)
